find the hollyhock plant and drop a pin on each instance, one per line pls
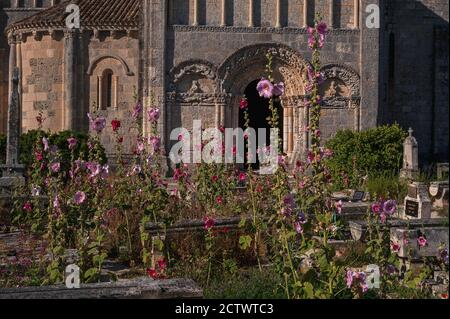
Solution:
(265, 88)
(155, 141)
(79, 197)
(137, 111)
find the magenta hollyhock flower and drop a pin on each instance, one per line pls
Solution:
(215, 178)
(389, 207)
(162, 264)
(376, 208)
(242, 177)
(45, 143)
(27, 207)
(115, 125)
(39, 156)
(137, 110)
(79, 197)
(219, 200)
(55, 167)
(322, 28)
(153, 114)
(265, 88)
(209, 223)
(243, 104)
(395, 247)
(72, 143)
(278, 89)
(422, 241)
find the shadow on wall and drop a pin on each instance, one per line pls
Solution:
(416, 74)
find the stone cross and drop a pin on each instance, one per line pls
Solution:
(410, 168)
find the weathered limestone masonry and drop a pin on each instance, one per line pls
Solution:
(196, 58)
(202, 55)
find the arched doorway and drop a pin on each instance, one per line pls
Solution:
(259, 115)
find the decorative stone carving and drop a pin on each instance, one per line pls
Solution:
(341, 87)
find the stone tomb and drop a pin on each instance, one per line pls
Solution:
(417, 202)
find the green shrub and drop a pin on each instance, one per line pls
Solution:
(387, 186)
(374, 152)
(27, 142)
(2, 148)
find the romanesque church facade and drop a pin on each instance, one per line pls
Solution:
(195, 59)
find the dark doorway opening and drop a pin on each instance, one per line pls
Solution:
(259, 114)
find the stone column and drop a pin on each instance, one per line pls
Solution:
(305, 13)
(251, 22)
(12, 62)
(356, 14)
(196, 17)
(224, 13)
(13, 126)
(331, 10)
(115, 88)
(69, 79)
(99, 92)
(278, 21)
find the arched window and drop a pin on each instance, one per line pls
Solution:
(107, 90)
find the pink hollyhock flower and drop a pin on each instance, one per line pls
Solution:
(45, 143)
(209, 222)
(94, 168)
(97, 124)
(56, 202)
(389, 207)
(278, 89)
(153, 114)
(156, 143)
(79, 197)
(311, 157)
(349, 278)
(140, 147)
(137, 110)
(339, 206)
(72, 143)
(243, 104)
(115, 125)
(55, 167)
(27, 207)
(422, 241)
(265, 88)
(242, 177)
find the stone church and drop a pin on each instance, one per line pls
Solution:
(195, 59)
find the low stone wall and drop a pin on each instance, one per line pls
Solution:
(141, 288)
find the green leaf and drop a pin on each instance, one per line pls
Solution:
(245, 242)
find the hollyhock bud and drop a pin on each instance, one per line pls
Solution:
(45, 144)
(27, 207)
(137, 110)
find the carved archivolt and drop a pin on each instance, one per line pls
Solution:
(341, 87)
(97, 59)
(287, 62)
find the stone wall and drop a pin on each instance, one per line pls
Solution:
(416, 73)
(42, 82)
(121, 55)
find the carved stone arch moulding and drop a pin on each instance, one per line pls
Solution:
(341, 86)
(97, 59)
(291, 65)
(193, 68)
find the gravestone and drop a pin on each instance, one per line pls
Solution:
(442, 170)
(12, 171)
(358, 196)
(417, 202)
(439, 193)
(410, 168)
